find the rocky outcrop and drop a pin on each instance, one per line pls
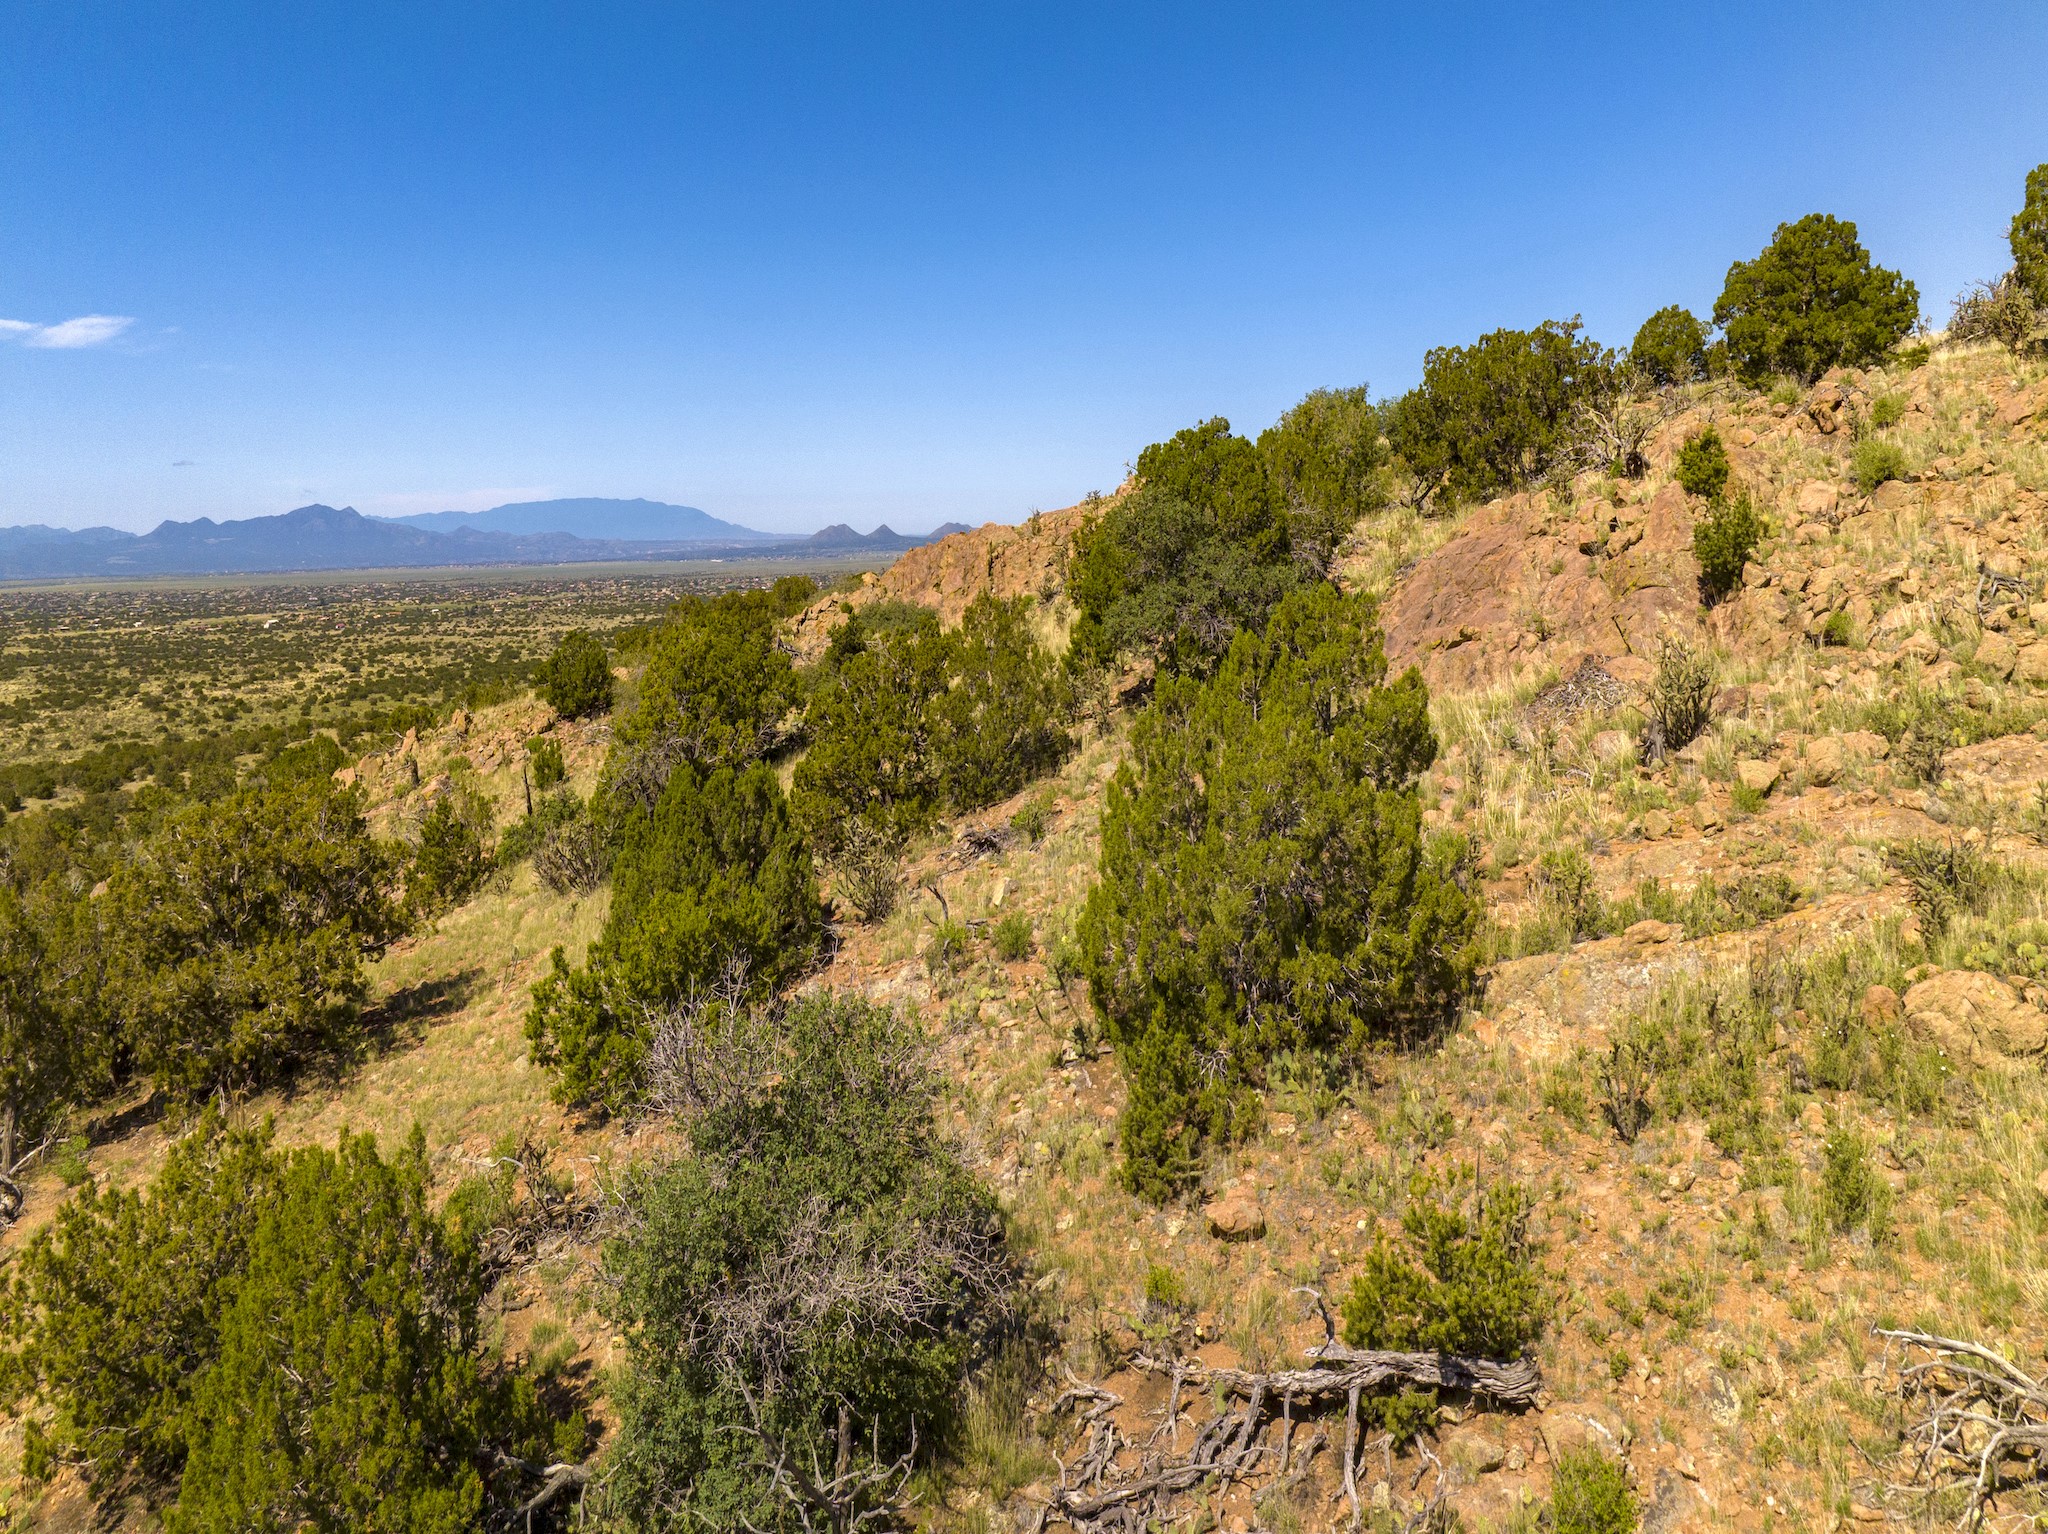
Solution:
(1029, 559)
(1977, 1019)
(1519, 585)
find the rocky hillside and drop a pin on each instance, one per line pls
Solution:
(1762, 1027)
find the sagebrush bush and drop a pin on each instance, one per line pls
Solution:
(576, 678)
(1266, 885)
(1703, 464)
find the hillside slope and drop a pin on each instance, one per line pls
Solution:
(1766, 1089)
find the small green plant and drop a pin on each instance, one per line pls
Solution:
(1851, 1192)
(1875, 461)
(1745, 800)
(1722, 542)
(1625, 1089)
(70, 1164)
(1703, 465)
(1032, 820)
(545, 754)
(1887, 410)
(1618, 1365)
(1785, 391)
(1590, 1495)
(947, 949)
(1013, 939)
(1681, 698)
(1465, 1282)
(1166, 1293)
(1567, 891)
(1835, 633)
(1942, 879)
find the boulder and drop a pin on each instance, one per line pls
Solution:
(1866, 743)
(1236, 1216)
(1477, 1450)
(2023, 406)
(1651, 931)
(1570, 1427)
(1824, 760)
(1881, 1005)
(1997, 654)
(1657, 825)
(1816, 500)
(1977, 1018)
(1758, 777)
(2031, 664)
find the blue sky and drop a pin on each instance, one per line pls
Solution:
(798, 265)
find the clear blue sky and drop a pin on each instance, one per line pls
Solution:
(803, 264)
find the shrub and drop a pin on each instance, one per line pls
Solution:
(715, 691)
(1876, 461)
(868, 870)
(1851, 1192)
(2001, 311)
(450, 860)
(576, 679)
(573, 857)
(1671, 347)
(1812, 300)
(1943, 879)
(1681, 697)
(1565, 888)
(1836, 631)
(1200, 548)
(1703, 464)
(280, 1335)
(51, 1048)
(948, 946)
(1590, 1494)
(997, 726)
(1032, 820)
(549, 770)
(715, 879)
(804, 1285)
(871, 718)
(1464, 1282)
(1722, 542)
(1265, 882)
(1887, 410)
(1500, 413)
(237, 934)
(2029, 238)
(907, 721)
(1328, 462)
(1013, 938)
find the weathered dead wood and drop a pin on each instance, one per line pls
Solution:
(1228, 1447)
(1981, 1413)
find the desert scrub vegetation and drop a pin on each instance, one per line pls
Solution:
(1283, 786)
(293, 1334)
(806, 1283)
(1813, 298)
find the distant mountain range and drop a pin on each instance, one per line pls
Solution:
(635, 521)
(327, 538)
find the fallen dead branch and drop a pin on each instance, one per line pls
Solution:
(1099, 1488)
(1982, 1426)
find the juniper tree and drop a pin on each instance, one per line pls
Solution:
(1810, 300)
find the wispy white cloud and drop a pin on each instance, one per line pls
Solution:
(15, 327)
(70, 335)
